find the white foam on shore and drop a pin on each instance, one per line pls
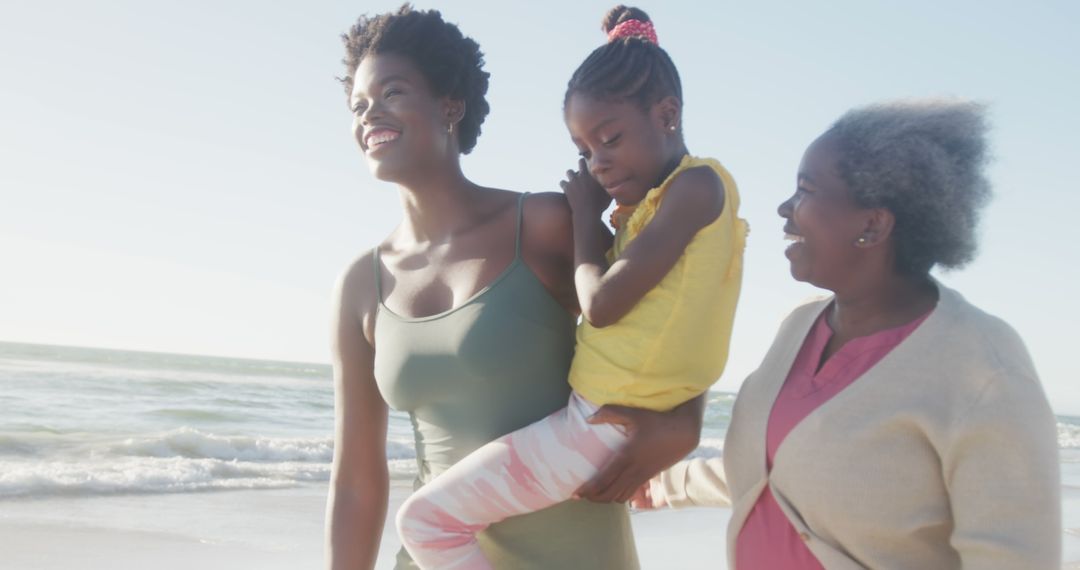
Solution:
(176, 461)
(186, 460)
(708, 447)
(190, 443)
(1068, 435)
(149, 475)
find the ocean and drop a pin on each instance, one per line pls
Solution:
(81, 422)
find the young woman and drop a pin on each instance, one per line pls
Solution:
(464, 315)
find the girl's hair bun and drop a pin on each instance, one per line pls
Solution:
(620, 14)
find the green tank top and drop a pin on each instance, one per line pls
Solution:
(496, 363)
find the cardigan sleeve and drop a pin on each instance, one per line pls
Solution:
(1002, 474)
(694, 482)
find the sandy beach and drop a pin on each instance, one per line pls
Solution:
(277, 530)
(227, 529)
(260, 529)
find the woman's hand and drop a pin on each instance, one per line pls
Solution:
(644, 498)
(584, 193)
(657, 441)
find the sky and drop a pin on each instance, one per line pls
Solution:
(181, 176)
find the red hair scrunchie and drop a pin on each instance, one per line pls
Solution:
(633, 29)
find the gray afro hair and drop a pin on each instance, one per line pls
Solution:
(924, 161)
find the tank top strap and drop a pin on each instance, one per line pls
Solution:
(520, 216)
(378, 273)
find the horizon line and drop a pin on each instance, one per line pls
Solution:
(163, 352)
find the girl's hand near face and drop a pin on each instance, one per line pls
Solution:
(694, 199)
(584, 193)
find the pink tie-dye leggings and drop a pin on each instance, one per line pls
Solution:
(532, 468)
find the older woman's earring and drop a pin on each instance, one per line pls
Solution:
(861, 241)
(672, 128)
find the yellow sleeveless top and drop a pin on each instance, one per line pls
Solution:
(674, 343)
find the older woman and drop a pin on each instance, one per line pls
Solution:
(893, 424)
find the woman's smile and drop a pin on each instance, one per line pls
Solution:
(797, 243)
(378, 138)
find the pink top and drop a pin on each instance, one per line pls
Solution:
(767, 539)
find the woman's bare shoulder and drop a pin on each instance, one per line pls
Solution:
(355, 292)
(548, 223)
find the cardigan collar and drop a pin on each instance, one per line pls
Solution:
(776, 366)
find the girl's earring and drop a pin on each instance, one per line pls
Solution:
(450, 128)
(861, 241)
(672, 128)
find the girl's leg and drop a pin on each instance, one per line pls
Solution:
(530, 469)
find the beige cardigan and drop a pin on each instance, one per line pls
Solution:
(943, 455)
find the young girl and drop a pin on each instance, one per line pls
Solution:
(658, 307)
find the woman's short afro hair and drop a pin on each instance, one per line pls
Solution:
(452, 63)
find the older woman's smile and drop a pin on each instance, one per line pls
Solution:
(797, 241)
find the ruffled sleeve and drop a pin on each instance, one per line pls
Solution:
(646, 209)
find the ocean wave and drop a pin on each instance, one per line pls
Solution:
(43, 442)
(179, 461)
(184, 442)
(402, 468)
(150, 475)
(29, 427)
(189, 460)
(16, 445)
(708, 448)
(1068, 435)
(193, 414)
(190, 443)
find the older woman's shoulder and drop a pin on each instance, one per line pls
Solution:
(975, 333)
(985, 380)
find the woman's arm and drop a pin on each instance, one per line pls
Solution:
(691, 483)
(694, 200)
(359, 480)
(657, 440)
(1001, 470)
